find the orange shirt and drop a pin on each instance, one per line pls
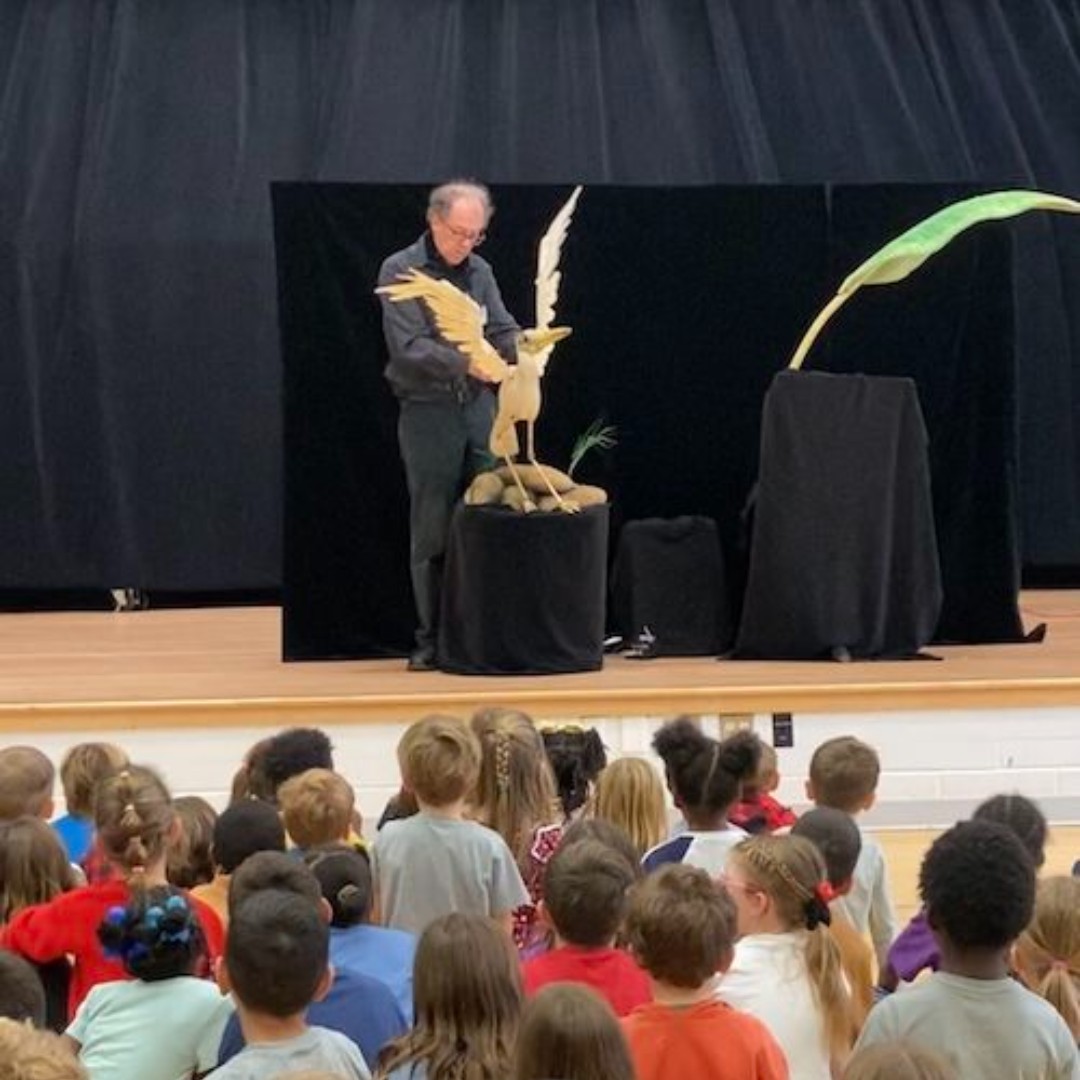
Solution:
(706, 1041)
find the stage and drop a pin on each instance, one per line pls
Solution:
(222, 667)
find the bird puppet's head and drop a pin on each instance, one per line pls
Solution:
(538, 339)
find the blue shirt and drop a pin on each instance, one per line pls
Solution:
(359, 1007)
(76, 834)
(383, 954)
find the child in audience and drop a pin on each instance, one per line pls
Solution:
(1047, 954)
(84, 767)
(188, 862)
(27, 1054)
(276, 964)
(285, 755)
(249, 781)
(757, 811)
(606, 833)
(22, 997)
(158, 940)
(837, 837)
(468, 998)
(317, 807)
(630, 794)
(570, 1032)
(585, 902)
(357, 1006)
(134, 818)
(344, 875)
(577, 757)
(977, 883)
(705, 778)
(515, 796)
(241, 830)
(787, 969)
(26, 783)
(915, 949)
(436, 861)
(681, 928)
(33, 870)
(898, 1061)
(843, 776)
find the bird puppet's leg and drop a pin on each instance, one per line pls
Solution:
(527, 503)
(567, 505)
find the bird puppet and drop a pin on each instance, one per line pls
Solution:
(460, 320)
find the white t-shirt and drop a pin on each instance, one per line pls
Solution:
(768, 979)
(990, 1029)
(164, 1030)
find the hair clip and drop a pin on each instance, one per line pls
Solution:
(825, 892)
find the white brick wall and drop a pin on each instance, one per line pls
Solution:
(936, 766)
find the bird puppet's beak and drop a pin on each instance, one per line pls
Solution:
(535, 340)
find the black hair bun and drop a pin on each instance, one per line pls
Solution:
(740, 754)
(680, 741)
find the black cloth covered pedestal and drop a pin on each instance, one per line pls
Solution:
(669, 580)
(524, 594)
(844, 558)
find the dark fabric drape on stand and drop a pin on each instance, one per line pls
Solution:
(139, 401)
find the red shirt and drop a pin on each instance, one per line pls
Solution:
(67, 926)
(707, 1041)
(610, 972)
(762, 814)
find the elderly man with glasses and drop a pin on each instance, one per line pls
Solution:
(447, 404)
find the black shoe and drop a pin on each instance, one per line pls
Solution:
(422, 659)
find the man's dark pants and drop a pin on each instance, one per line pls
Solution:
(443, 443)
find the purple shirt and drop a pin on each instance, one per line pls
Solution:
(914, 949)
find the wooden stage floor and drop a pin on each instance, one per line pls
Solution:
(78, 671)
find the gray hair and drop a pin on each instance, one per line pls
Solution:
(445, 195)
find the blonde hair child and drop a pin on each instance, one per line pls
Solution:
(1047, 953)
(629, 793)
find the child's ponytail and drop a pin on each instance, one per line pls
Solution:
(1048, 951)
(133, 813)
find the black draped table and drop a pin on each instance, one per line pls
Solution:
(524, 594)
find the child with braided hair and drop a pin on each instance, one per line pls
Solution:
(515, 795)
(135, 820)
(787, 969)
(158, 939)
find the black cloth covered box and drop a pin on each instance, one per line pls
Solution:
(844, 557)
(524, 594)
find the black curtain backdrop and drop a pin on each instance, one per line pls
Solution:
(678, 332)
(140, 423)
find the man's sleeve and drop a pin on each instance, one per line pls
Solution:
(410, 338)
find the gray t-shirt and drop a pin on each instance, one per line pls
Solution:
(317, 1048)
(990, 1029)
(427, 866)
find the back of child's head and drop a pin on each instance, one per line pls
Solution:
(577, 757)
(791, 872)
(705, 776)
(29, 1054)
(766, 776)
(33, 865)
(586, 888)
(276, 952)
(26, 783)
(272, 870)
(977, 883)
(844, 774)
(681, 927)
(250, 780)
(243, 829)
(439, 757)
(630, 793)
(288, 754)
(607, 833)
(1021, 816)
(515, 791)
(836, 836)
(1048, 951)
(344, 876)
(568, 1032)
(898, 1061)
(22, 996)
(156, 936)
(317, 807)
(467, 996)
(83, 768)
(133, 813)
(189, 862)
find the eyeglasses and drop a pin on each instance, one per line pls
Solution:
(466, 236)
(730, 883)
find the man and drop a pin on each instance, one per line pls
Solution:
(447, 406)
